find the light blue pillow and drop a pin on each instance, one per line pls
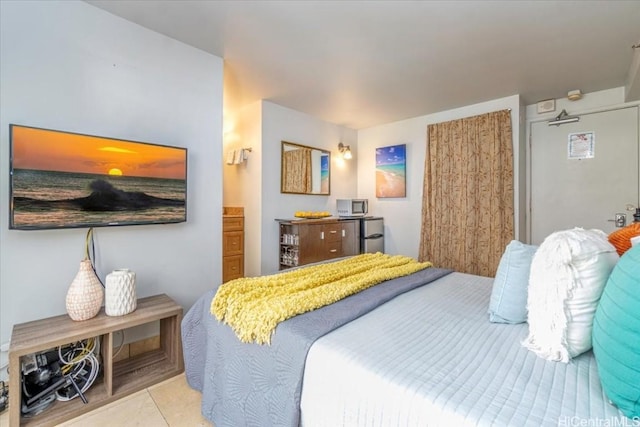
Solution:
(509, 295)
(616, 335)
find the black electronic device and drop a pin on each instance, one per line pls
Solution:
(61, 179)
(4, 396)
(42, 378)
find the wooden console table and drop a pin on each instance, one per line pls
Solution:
(304, 241)
(120, 378)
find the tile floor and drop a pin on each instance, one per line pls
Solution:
(170, 403)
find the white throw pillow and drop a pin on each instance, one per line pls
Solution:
(568, 274)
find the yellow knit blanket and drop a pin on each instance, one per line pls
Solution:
(253, 306)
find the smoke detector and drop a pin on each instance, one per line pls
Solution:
(574, 95)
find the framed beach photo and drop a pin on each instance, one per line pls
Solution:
(391, 166)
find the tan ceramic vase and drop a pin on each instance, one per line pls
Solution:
(85, 294)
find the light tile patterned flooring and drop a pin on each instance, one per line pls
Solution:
(170, 403)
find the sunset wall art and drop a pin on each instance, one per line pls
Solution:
(63, 179)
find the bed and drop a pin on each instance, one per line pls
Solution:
(423, 354)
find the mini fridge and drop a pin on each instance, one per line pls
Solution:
(371, 235)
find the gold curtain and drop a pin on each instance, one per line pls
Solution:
(467, 205)
(296, 171)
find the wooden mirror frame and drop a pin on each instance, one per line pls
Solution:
(316, 181)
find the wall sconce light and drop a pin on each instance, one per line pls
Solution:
(563, 118)
(345, 150)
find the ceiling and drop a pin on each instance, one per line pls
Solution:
(365, 63)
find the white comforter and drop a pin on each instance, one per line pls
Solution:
(431, 357)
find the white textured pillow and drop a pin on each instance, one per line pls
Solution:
(568, 274)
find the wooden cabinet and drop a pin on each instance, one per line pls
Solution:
(119, 378)
(232, 243)
(306, 241)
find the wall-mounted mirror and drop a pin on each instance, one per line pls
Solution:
(305, 170)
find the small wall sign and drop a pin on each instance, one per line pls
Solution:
(581, 145)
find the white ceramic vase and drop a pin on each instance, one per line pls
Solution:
(120, 293)
(85, 294)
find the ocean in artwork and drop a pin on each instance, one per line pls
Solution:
(49, 199)
(324, 174)
(391, 171)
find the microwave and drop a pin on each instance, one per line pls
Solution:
(352, 207)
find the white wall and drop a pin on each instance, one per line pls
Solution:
(70, 66)
(255, 185)
(243, 183)
(283, 124)
(403, 215)
(609, 98)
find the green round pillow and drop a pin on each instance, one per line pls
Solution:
(616, 334)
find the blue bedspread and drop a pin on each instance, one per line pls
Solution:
(259, 385)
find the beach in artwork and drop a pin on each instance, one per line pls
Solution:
(391, 171)
(324, 174)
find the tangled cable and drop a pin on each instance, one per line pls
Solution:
(80, 361)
